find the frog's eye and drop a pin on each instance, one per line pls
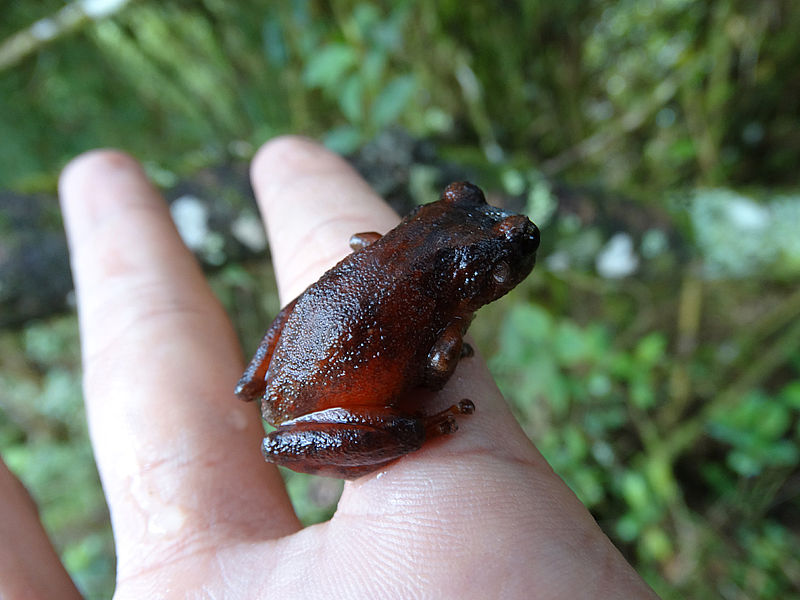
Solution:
(463, 192)
(501, 271)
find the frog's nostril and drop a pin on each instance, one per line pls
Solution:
(532, 232)
(535, 235)
(513, 226)
(521, 229)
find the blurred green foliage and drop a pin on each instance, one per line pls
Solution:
(44, 438)
(598, 413)
(670, 401)
(638, 94)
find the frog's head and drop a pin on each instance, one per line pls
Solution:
(494, 250)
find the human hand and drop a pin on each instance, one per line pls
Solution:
(195, 510)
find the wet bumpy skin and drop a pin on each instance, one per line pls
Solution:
(334, 365)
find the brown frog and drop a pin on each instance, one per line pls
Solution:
(334, 369)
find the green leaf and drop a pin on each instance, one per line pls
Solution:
(650, 349)
(343, 140)
(587, 484)
(570, 344)
(366, 17)
(327, 68)
(575, 443)
(392, 100)
(641, 392)
(351, 99)
(659, 476)
(744, 464)
(635, 490)
(773, 421)
(656, 543)
(274, 43)
(599, 384)
(372, 68)
(628, 527)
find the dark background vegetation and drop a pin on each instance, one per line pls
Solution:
(653, 356)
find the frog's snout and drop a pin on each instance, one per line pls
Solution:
(520, 229)
(532, 234)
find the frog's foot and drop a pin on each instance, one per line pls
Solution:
(444, 422)
(359, 241)
(350, 442)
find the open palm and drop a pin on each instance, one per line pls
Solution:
(195, 510)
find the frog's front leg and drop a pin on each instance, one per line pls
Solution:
(350, 442)
(253, 383)
(443, 357)
(361, 240)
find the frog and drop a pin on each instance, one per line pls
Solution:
(337, 372)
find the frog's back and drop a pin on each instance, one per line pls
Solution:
(361, 335)
(358, 336)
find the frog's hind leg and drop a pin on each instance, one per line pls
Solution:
(350, 442)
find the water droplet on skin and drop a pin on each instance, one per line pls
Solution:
(168, 520)
(236, 419)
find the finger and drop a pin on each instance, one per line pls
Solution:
(177, 453)
(312, 202)
(29, 566)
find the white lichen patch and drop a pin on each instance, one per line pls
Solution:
(617, 259)
(250, 232)
(97, 9)
(191, 218)
(44, 29)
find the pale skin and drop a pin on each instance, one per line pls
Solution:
(196, 511)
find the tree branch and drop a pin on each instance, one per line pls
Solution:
(71, 17)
